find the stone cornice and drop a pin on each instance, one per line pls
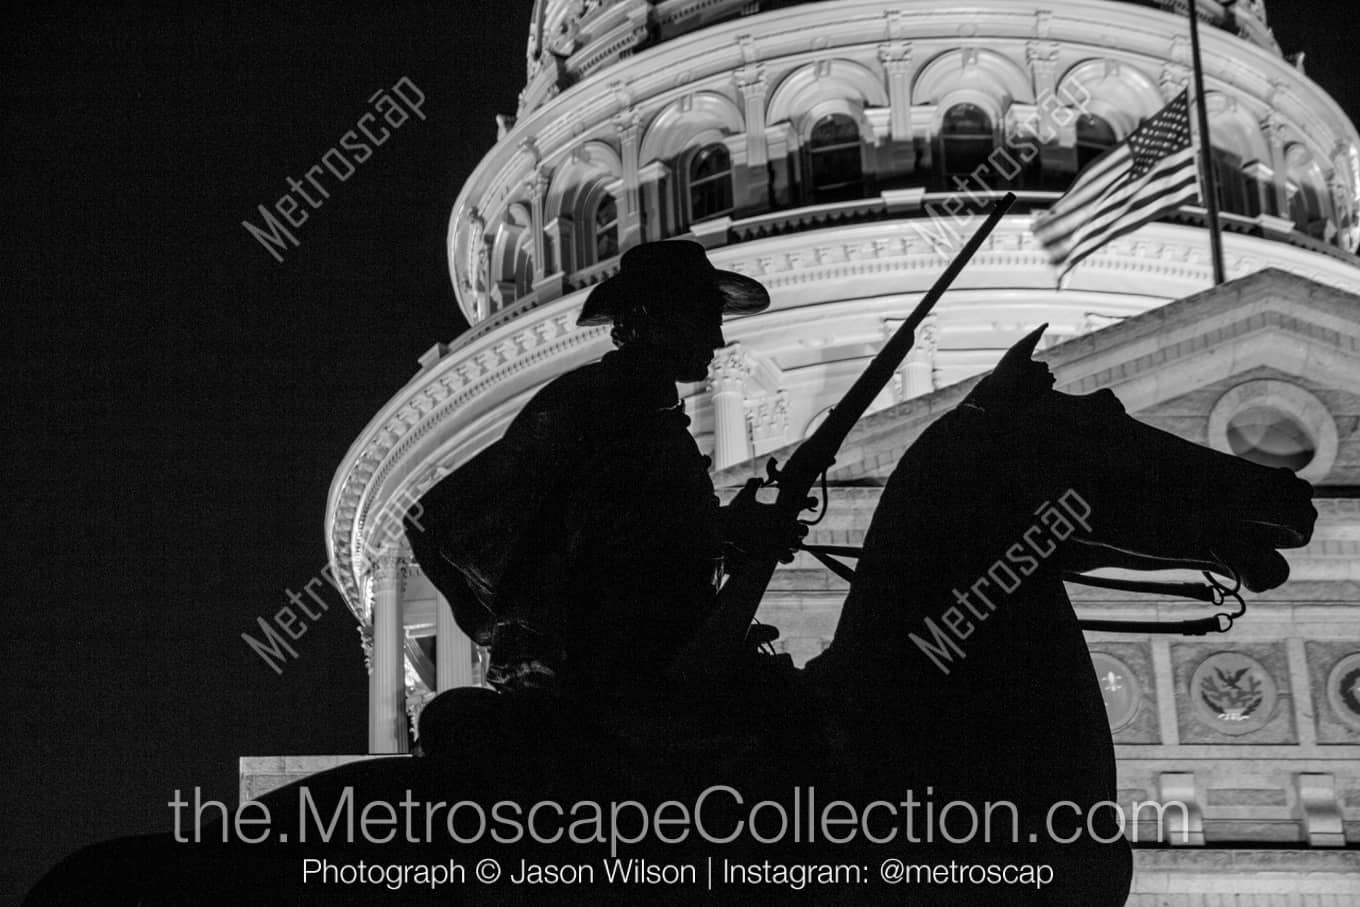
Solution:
(377, 469)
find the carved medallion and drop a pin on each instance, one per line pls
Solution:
(1343, 690)
(1233, 693)
(1118, 687)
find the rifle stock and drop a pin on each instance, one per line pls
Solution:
(720, 641)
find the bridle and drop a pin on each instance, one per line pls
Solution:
(1212, 591)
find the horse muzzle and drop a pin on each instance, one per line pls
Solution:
(1285, 519)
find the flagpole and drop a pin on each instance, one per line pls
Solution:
(1206, 151)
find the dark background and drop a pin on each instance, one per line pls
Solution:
(180, 400)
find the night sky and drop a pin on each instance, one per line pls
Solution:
(180, 400)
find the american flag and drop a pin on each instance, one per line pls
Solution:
(1150, 172)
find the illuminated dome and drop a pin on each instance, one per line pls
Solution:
(569, 40)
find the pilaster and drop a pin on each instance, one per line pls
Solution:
(453, 650)
(727, 389)
(627, 124)
(387, 723)
(754, 186)
(918, 369)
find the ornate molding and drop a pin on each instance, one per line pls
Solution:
(767, 420)
(465, 376)
(388, 568)
(729, 370)
(1165, 251)
(365, 629)
(417, 697)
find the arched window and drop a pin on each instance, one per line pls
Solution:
(606, 227)
(966, 139)
(710, 182)
(835, 160)
(1094, 137)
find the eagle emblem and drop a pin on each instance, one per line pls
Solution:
(1232, 695)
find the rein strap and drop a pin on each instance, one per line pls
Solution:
(1210, 592)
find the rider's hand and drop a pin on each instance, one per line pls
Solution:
(753, 529)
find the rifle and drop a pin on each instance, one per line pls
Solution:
(720, 640)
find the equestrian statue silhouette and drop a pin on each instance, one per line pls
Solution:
(958, 678)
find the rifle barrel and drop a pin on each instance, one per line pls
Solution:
(818, 452)
(722, 636)
(717, 643)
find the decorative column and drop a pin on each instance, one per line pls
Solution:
(895, 55)
(478, 280)
(727, 390)
(535, 186)
(753, 189)
(630, 213)
(452, 649)
(1057, 141)
(1341, 213)
(657, 223)
(918, 370)
(538, 190)
(916, 377)
(1346, 163)
(1175, 76)
(768, 420)
(1274, 129)
(561, 233)
(387, 731)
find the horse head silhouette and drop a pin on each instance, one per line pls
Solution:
(958, 656)
(1151, 493)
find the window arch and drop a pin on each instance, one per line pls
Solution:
(1095, 136)
(835, 161)
(966, 139)
(710, 182)
(605, 227)
(578, 193)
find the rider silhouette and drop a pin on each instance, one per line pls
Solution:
(586, 546)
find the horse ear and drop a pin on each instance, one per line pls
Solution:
(1020, 355)
(1015, 373)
